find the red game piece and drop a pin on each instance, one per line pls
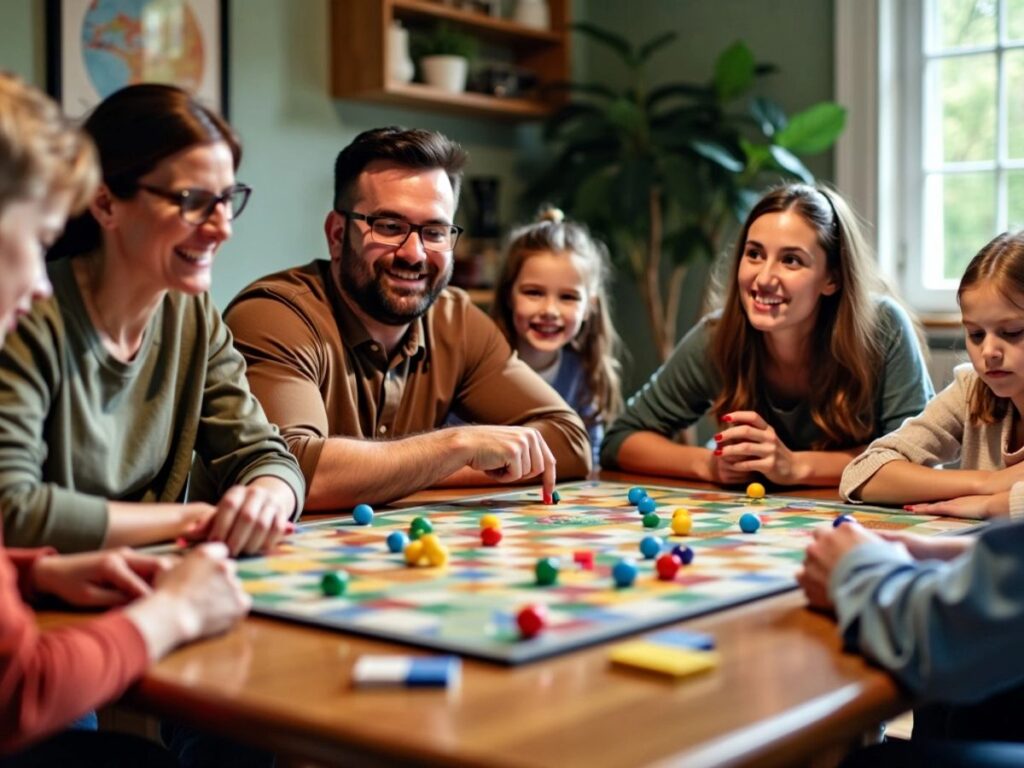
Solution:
(531, 620)
(584, 558)
(490, 537)
(668, 566)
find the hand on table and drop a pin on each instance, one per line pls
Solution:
(829, 546)
(508, 454)
(749, 444)
(971, 507)
(251, 518)
(99, 579)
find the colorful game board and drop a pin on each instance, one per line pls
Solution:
(469, 606)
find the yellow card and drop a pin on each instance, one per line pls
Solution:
(666, 660)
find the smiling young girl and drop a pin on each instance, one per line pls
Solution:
(975, 421)
(807, 361)
(550, 303)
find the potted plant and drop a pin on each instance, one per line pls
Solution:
(664, 174)
(444, 55)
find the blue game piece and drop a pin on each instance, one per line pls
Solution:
(624, 572)
(363, 514)
(749, 522)
(650, 546)
(646, 505)
(843, 519)
(684, 553)
(397, 541)
(635, 494)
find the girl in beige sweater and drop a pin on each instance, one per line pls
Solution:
(975, 421)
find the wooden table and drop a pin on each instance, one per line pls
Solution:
(784, 693)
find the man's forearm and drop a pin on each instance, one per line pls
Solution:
(352, 471)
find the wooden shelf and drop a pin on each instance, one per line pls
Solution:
(486, 27)
(423, 96)
(359, 55)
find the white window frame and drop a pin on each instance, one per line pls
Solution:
(880, 159)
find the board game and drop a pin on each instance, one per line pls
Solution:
(469, 605)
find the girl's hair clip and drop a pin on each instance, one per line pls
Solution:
(554, 215)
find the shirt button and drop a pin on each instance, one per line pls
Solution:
(375, 348)
(382, 428)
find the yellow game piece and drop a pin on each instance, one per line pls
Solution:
(755, 491)
(680, 511)
(438, 557)
(413, 552)
(490, 521)
(653, 657)
(430, 543)
(682, 524)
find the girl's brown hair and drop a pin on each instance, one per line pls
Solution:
(1000, 264)
(597, 342)
(41, 153)
(845, 353)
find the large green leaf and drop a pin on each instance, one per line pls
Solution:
(769, 115)
(679, 90)
(813, 130)
(628, 117)
(734, 71)
(652, 46)
(565, 118)
(591, 201)
(617, 43)
(790, 163)
(718, 154)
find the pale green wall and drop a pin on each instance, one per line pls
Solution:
(292, 129)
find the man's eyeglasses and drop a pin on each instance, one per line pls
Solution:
(197, 205)
(388, 230)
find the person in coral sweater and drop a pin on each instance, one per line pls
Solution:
(47, 679)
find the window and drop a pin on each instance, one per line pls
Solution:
(952, 77)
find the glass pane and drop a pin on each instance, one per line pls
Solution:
(1013, 62)
(959, 23)
(961, 97)
(1014, 19)
(1015, 201)
(959, 218)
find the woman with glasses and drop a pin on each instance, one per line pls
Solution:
(111, 388)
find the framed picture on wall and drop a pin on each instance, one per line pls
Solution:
(95, 47)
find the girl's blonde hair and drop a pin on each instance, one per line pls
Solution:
(597, 342)
(41, 153)
(845, 353)
(1000, 264)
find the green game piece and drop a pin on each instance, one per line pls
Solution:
(555, 497)
(547, 571)
(419, 526)
(334, 583)
(651, 520)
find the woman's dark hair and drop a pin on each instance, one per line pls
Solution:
(135, 129)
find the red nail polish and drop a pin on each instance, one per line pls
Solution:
(548, 499)
(718, 437)
(718, 451)
(727, 419)
(908, 507)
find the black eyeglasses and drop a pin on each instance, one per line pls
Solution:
(388, 230)
(197, 205)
